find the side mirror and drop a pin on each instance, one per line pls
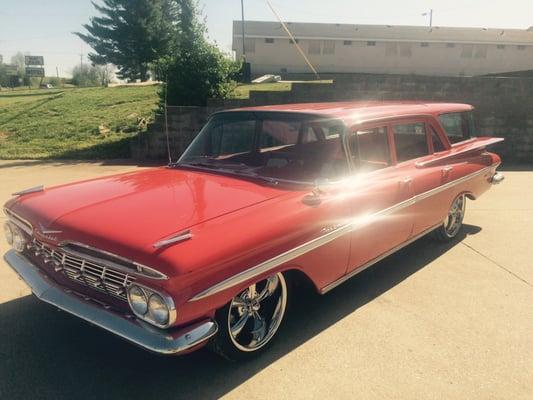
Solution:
(320, 185)
(314, 198)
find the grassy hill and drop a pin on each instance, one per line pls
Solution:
(94, 123)
(84, 123)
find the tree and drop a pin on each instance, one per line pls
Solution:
(131, 34)
(105, 73)
(85, 75)
(19, 60)
(196, 70)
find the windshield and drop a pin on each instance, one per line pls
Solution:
(279, 146)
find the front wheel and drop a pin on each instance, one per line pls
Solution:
(249, 322)
(453, 222)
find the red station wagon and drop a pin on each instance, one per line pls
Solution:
(206, 250)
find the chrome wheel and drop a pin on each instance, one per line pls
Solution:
(454, 220)
(255, 314)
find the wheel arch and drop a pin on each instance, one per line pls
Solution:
(469, 195)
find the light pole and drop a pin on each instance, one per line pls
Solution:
(242, 28)
(430, 13)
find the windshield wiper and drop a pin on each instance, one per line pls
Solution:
(240, 173)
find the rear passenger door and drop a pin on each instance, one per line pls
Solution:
(375, 190)
(416, 144)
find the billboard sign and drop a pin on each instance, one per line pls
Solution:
(35, 71)
(34, 60)
(11, 70)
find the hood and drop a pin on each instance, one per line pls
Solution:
(134, 210)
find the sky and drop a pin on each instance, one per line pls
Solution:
(44, 27)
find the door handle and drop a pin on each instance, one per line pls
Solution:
(446, 171)
(407, 181)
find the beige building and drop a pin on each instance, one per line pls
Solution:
(345, 48)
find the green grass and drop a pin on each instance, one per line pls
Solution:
(243, 91)
(95, 123)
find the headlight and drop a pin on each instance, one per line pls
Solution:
(19, 241)
(8, 233)
(158, 309)
(137, 299)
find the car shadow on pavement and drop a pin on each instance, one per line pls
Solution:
(45, 353)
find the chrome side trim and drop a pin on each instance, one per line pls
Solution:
(324, 239)
(368, 264)
(450, 184)
(179, 237)
(171, 341)
(273, 262)
(34, 189)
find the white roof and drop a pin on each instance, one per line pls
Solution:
(312, 30)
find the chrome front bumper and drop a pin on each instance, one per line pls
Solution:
(133, 330)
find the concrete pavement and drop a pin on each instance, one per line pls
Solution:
(433, 321)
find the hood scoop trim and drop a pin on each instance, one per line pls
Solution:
(34, 189)
(177, 238)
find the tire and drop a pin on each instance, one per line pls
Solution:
(247, 325)
(453, 223)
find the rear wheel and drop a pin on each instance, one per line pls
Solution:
(249, 322)
(453, 222)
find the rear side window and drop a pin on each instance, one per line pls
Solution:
(370, 148)
(458, 126)
(411, 141)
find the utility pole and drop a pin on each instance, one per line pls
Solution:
(242, 27)
(81, 61)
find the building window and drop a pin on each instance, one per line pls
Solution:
(500, 46)
(467, 51)
(371, 43)
(249, 45)
(391, 49)
(450, 45)
(405, 49)
(314, 47)
(283, 70)
(480, 51)
(329, 47)
(293, 41)
(424, 44)
(347, 42)
(269, 40)
(520, 47)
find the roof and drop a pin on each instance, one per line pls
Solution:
(352, 112)
(393, 33)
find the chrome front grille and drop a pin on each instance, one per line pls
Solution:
(85, 272)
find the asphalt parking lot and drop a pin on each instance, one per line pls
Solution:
(433, 321)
